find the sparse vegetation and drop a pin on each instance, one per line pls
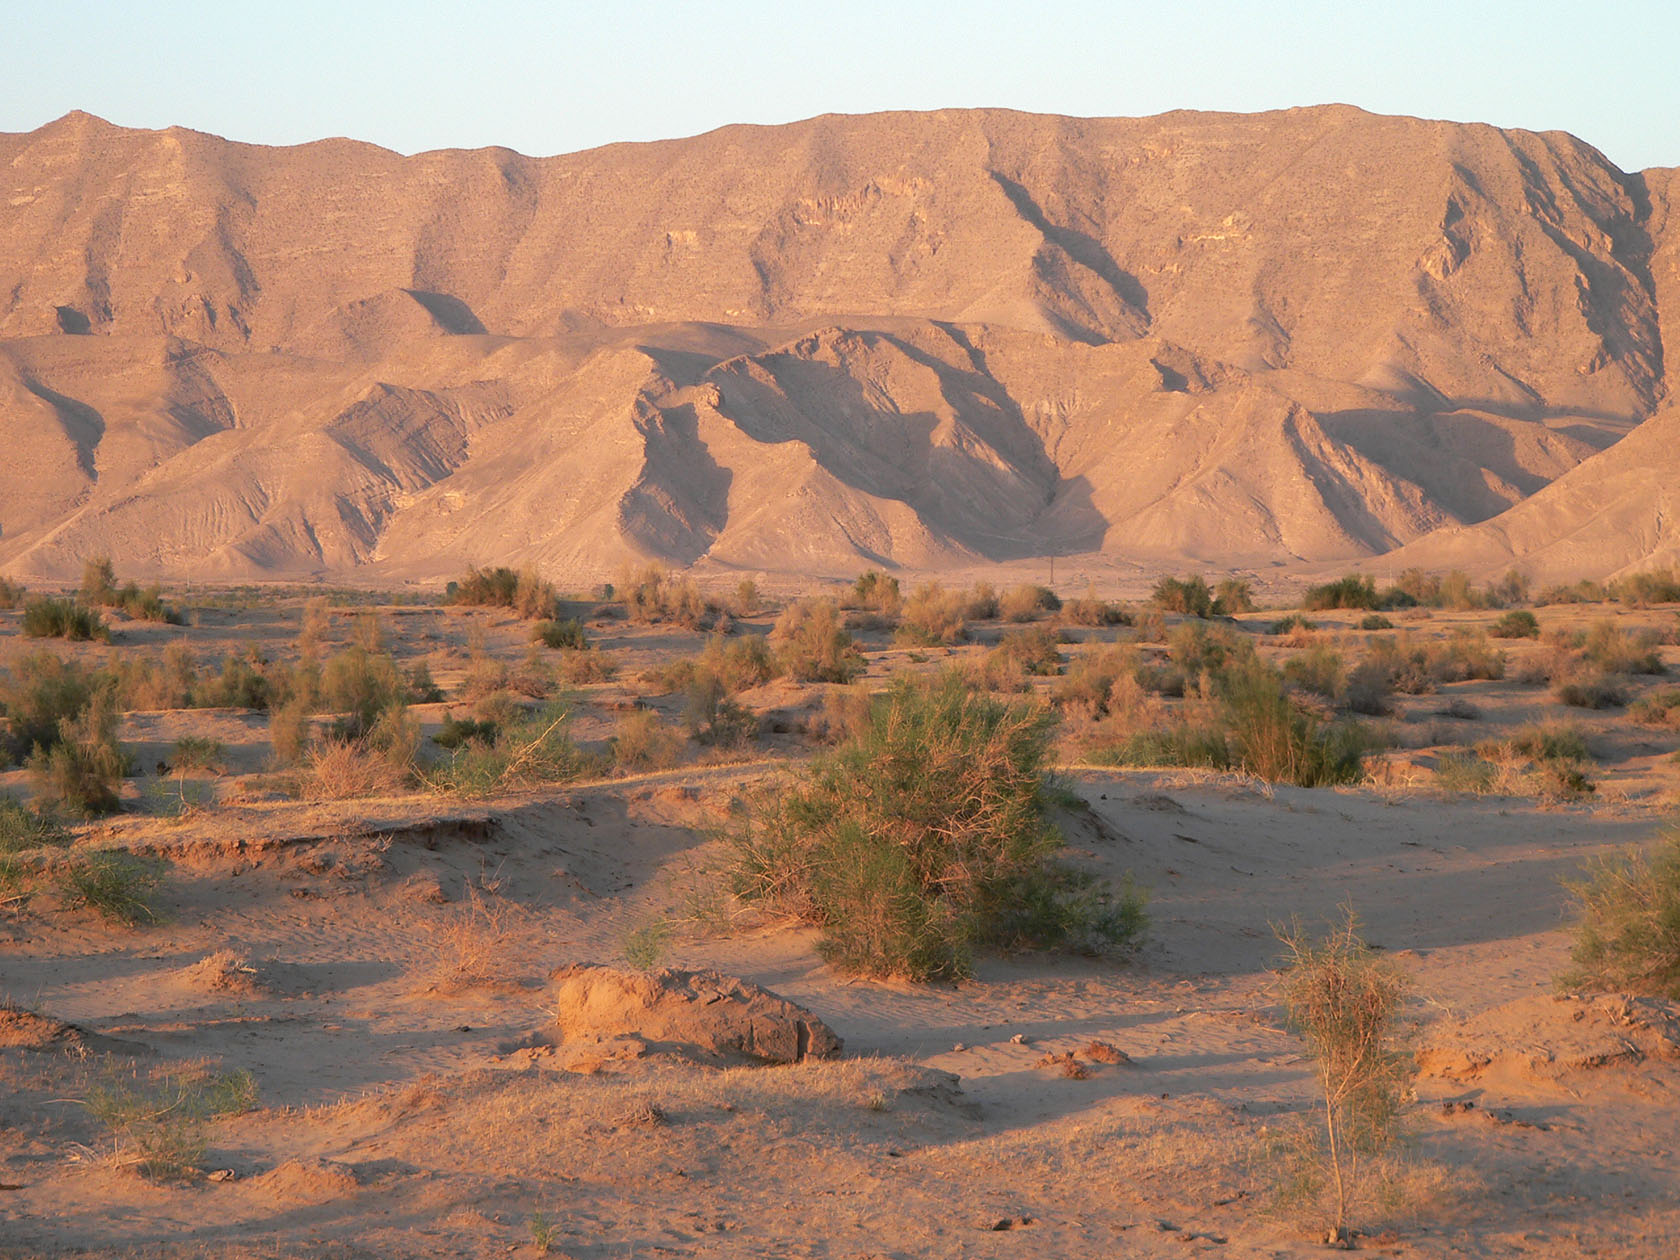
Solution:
(526, 593)
(81, 771)
(927, 837)
(160, 1127)
(1344, 1001)
(933, 616)
(810, 645)
(117, 886)
(1627, 933)
(49, 618)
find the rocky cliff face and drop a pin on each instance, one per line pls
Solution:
(916, 339)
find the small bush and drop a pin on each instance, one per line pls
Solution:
(811, 646)
(525, 593)
(1660, 708)
(1466, 774)
(1353, 591)
(343, 769)
(117, 886)
(877, 591)
(1197, 649)
(1520, 624)
(39, 692)
(1189, 596)
(22, 828)
(243, 683)
(360, 685)
(927, 837)
(1091, 611)
(1318, 670)
(1627, 935)
(713, 717)
(195, 752)
(1344, 1002)
(933, 616)
(1618, 651)
(457, 731)
(1583, 592)
(1025, 603)
(161, 1129)
(743, 661)
(641, 741)
(1232, 596)
(1657, 586)
(651, 594)
(568, 634)
(50, 618)
(981, 603)
(1590, 690)
(1024, 654)
(1374, 621)
(83, 769)
(531, 748)
(288, 732)
(1292, 624)
(12, 593)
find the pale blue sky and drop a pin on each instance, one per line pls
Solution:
(551, 78)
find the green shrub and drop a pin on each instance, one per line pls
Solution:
(1627, 937)
(1352, 591)
(1189, 596)
(195, 752)
(1550, 743)
(877, 591)
(1583, 592)
(532, 748)
(568, 634)
(713, 717)
(1375, 621)
(1618, 651)
(22, 828)
(651, 594)
(1025, 603)
(83, 769)
(1091, 611)
(1290, 624)
(1520, 624)
(162, 1127)
(642, 741)
(927, 837)
(742, 662)
(1232, 596)
(1656, 586)
(1465, 773)
(117, 886)
(360, 685)
(1279, 740)
(933, 616)
(981, 603)
(526, 593)
(457, 731)
(99, 588)
(1660, 708)
(1033, 653)
(1318, 670)
(39, 692)
(1180, 744)
(1197, 649)
(288, 732)
(50, 618)
(242, 683)
(810, 645)
(1590, 690)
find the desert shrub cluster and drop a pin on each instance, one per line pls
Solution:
(100, 588)
(526, 593)
(1627, 935)
(927, 837)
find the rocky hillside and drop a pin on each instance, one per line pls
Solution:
(926, 340)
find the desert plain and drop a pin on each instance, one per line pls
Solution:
(364, 975)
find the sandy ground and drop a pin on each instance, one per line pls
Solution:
(386, 988)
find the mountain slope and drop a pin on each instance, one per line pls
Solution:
(912, 339)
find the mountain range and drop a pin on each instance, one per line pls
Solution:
(930, 341)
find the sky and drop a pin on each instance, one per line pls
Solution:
(562, 76)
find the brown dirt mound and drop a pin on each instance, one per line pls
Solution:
(1548, 1036)
(699, 1014)
(308, 1181)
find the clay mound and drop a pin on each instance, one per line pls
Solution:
(224, 972)
(22, 1029)
(308, 1181)
(1548, 1036)
(696, 1014)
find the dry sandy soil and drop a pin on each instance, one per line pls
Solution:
(380, 967)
